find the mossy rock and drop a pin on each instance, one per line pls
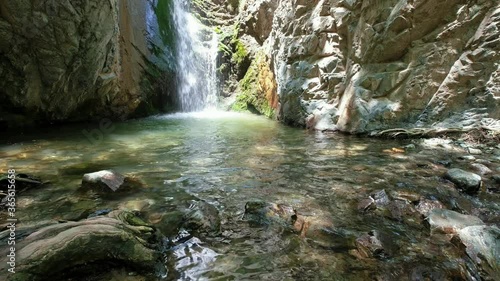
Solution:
(257, 91)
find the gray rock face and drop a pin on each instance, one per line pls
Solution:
(360, 66)
(469, 182)
(72, 60)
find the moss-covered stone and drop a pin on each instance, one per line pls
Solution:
(257, 91)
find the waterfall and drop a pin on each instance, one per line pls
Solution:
(196, 52)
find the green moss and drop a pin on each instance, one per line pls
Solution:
(240, 53)
(249, 98)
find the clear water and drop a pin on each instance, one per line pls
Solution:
(228, 159)
(196, 52)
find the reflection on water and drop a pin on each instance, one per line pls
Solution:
(228, 159)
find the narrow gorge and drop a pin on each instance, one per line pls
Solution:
(148, 140)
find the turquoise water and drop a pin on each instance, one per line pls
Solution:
(228, 159)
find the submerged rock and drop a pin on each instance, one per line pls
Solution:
(447, 221)
(370, 246)
(136, 205)
(482, 244)
(168, 223)
(269, 213)
(203, 218)
(119, 237)
(467, 181)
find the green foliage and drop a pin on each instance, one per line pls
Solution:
(240, 52)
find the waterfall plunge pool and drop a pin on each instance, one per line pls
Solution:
(228, 159)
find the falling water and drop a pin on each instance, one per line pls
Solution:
(196, 60)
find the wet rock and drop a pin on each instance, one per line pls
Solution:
(107, 181)
(336, 239)
(267, 213)
(380, 198)
(468, 182)
(481, 168)
(316, 228)
(405, 195)
(168, 223)
(202, 218)
(366, 204)
(425, 206)
(496, 178)
(482, 244)
(467, 157)
(402, 210)
(369, 246)
(447, 221)
(475, 151)
(119, 237)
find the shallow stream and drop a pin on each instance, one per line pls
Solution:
(228, 159)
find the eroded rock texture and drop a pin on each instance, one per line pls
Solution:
(363, 65)
(74, 60)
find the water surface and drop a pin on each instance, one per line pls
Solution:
(228, 159)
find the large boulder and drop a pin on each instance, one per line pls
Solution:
(467, 181)
(56, 249)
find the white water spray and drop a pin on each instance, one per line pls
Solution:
(196, 60)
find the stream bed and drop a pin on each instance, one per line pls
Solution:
(229, 159)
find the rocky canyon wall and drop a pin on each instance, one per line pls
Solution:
(367, 65)
(73, 60)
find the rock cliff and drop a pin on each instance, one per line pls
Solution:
(80, 60)
(362, 66)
